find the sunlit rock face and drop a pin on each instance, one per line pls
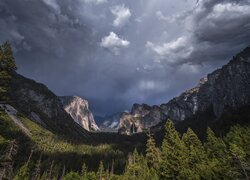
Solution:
(223, 90)
(78, 109)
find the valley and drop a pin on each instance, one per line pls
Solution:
(59, 136)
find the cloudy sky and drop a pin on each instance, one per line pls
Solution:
(119, 52)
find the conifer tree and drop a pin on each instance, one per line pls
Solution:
(137, 167)
(197, 159)
(152, 153)
(72, 176)
(84, 170)
(101, 171)
(37, 169)
(7, 67)
(6, 161)
(218, 156)
(173, 159)
(239, 149)
(23, 173)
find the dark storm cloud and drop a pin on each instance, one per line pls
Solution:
(115, 52)
(216, 31)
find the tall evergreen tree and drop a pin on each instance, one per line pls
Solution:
(37, 170)
(152, 153)
(218, 156)
(137, 167)
(84, 170)
(23, 173)
(7, 160)
(72, 176)
(197, 158)
(238, 141)
(101, 171)
(7, 67)
(173, 158)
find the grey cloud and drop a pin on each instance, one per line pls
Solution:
(57, 42)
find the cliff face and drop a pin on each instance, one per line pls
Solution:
(224, 90)
(37, 102)
(78, 109)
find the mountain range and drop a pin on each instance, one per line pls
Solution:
(223, 91)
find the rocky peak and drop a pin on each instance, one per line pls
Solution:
(140, 109)
(78, 109)
(225, 89)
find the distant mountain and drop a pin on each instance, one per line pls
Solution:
(78, 109)
(37, 102)
(109, 123)
(224, 90)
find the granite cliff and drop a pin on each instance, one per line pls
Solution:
(225, 89)
(78, 109)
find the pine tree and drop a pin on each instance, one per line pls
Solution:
(24, 171)
(218, 156)
(197, 159)
(50, 174)
(137, 167)
(239, 150)
(7, 160)
(152, 153)
(37, 169)
(7, 67)
(84, 170)
(101, 171)
(173, 158)
(239, 160)
(72, 176)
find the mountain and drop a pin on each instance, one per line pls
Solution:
(37, 102)
(109, 123)
(225, 90)
(78, 109)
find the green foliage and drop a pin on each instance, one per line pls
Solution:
(23, 173)
(72, 176)
(152, 153)
(174, 159)
(217, 152)
(196, 155)
(179, 158)
(101, 171)
(7, 67)
(238, 141)
(137, 167)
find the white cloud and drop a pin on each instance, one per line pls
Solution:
(229, 10)
(53, 4)
(122, 15)
(173, 50)
(114, 43)
(160, 16)
(97, 2)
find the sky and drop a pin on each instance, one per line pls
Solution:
(115, 53)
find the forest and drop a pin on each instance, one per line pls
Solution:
(178, 157)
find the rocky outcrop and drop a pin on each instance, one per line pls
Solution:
(78, 109)
(37, 102)
(130, 124)
(223, 90)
